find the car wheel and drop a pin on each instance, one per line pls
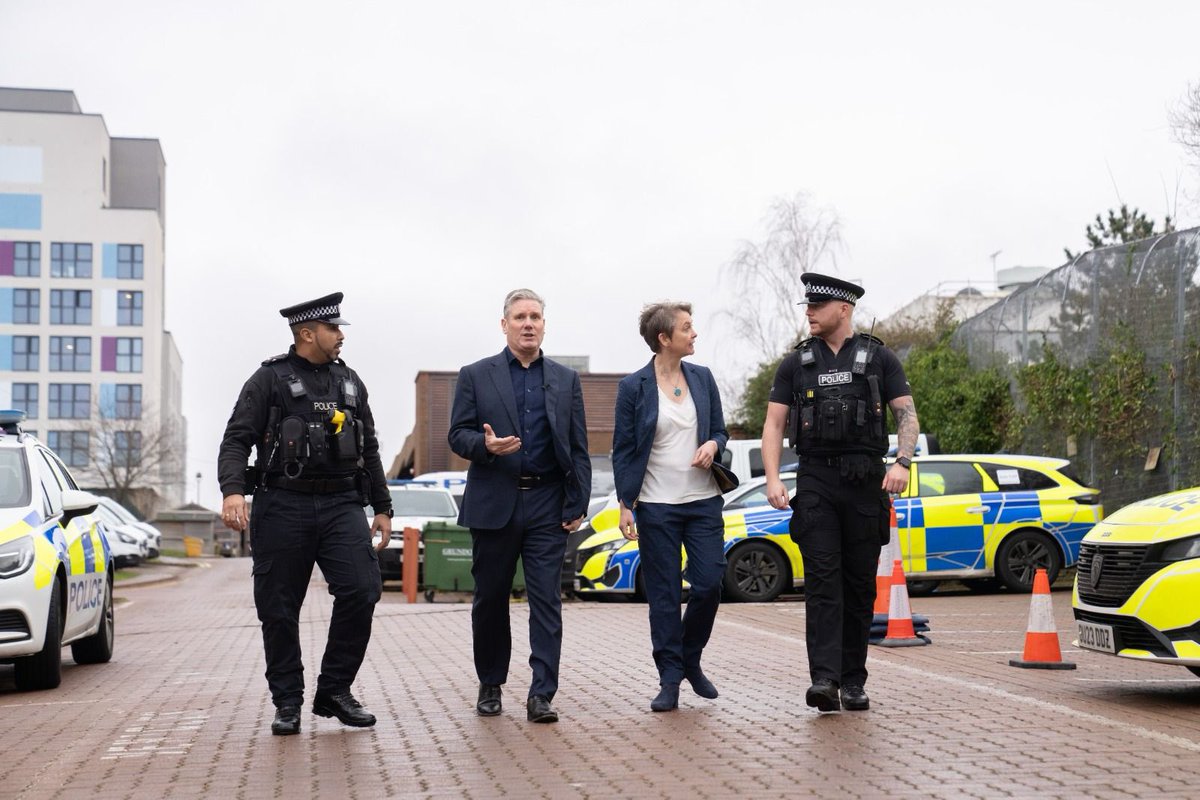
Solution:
(44, 670)
(922, 588)
(98, 648)
(756, 572)
(1021, 555)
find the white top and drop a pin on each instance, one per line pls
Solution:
(670, 476)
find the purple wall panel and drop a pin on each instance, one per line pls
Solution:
(6, 258)
(108, 354)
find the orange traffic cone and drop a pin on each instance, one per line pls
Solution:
(1041, 640)
(883, 574)
(900, 632)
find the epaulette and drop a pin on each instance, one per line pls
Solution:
(874, 339)
(803, 343)
(274, 359)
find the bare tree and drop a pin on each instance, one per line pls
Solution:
(128, 454)
(764, 277)
(1185, 121)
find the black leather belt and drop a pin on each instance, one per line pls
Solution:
(535, 481)
(832, 461)
(312, 485)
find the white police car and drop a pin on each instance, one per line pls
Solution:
(55, 581)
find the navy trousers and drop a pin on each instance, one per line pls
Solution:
(662, 529)
(289, 532)
(536, 536)
(837, 526)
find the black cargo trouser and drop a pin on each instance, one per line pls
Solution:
(839, 527)
(291, 531)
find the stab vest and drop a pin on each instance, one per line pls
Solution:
(839, 412)
(301, 436)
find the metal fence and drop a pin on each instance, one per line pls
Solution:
(1142, 296)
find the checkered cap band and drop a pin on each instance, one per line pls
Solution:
(319, 312)
(836, 292)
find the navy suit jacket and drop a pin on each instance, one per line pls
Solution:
(637, 417)
(485, 394)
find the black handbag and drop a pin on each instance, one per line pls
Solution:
(727, 479)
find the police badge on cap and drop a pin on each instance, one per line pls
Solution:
(819, 288)
(323, 309)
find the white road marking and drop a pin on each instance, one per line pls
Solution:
(1003, 694)
(154, 734)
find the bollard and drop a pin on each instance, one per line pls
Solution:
(412, 557)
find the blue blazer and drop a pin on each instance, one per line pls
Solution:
(637, 417)
(485, 394)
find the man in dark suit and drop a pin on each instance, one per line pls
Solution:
(518, 418)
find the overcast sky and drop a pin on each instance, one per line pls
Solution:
(425, 158)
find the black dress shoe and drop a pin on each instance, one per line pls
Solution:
(823, 694)
(287, 721)
(343, 706)
(854, 698)
(539, 709)
(700, 684)
(667, 699)
(488, 704)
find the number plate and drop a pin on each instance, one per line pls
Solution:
(1095, 637)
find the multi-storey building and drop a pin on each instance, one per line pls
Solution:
(83, 347)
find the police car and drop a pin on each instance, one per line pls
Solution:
(55, 582)
(983, 519)
(414, 504)
(1137, 589)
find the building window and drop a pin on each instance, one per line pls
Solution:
(25, 398)
(70, 401)
(27, 259)
(129, 308)
(26, 306)
(70, 354)
(127, 447)
(70, 446)
(129, 401)
(129, 261)
(25, 353)
(70, 307)
(129, 354)
(70, 260)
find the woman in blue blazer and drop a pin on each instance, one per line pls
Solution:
(669, 430)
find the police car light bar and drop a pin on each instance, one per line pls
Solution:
(10, 420)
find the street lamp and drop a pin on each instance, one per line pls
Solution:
(198, 476)
(995, 274)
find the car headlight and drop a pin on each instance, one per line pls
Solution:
(584, 556)
(16, 557)
(1182, 550)
(126, 538)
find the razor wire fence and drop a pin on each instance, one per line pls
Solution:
(1124, 321)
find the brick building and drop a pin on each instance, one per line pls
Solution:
(426, 449)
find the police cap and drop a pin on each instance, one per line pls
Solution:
(819, 288)
(323, 309)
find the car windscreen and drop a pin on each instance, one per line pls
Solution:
(14, 479)
(407, 503)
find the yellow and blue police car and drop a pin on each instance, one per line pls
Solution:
(1137, 588)
(56, 586)
(982, 519)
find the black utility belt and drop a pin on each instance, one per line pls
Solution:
(836, 461)
(312, 485)
(536, 481)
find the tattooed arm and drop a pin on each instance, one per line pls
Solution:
(907, 428)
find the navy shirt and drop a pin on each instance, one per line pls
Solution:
(529, 390)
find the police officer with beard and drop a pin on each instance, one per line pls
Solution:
(306, 413)
(836, 385)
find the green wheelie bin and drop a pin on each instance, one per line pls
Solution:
(448, 561)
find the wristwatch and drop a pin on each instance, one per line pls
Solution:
(390, 512)
(904, 461)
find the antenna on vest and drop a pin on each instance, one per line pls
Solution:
(863, 356)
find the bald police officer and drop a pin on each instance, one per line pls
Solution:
(306, 413)
(836, 385)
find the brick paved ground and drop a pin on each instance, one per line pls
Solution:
(182, 711)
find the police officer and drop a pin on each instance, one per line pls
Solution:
(306, 413)
(836, 385)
